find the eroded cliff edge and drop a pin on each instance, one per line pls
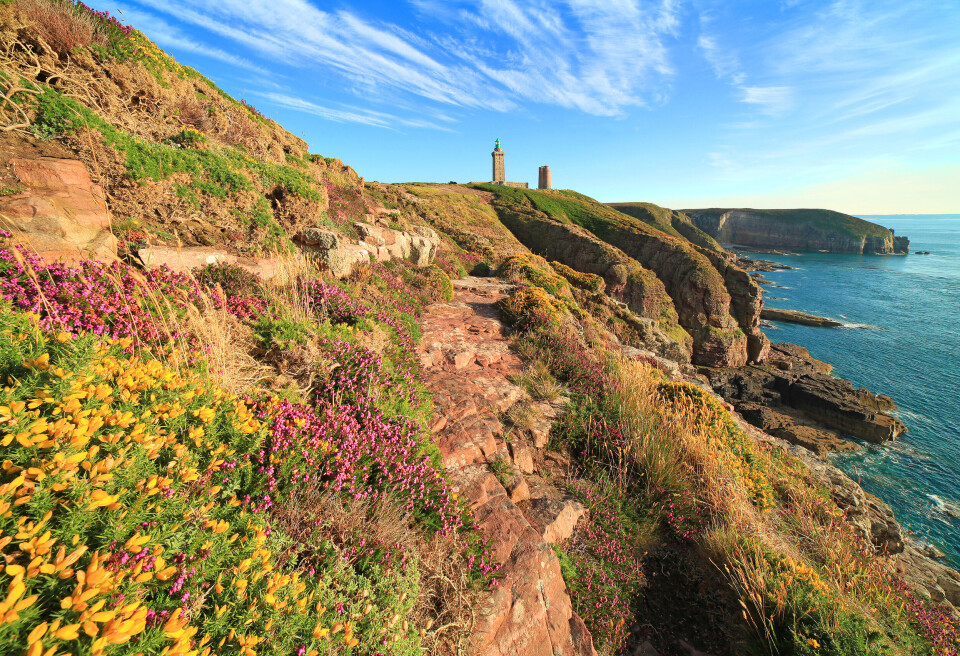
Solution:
(798, 230)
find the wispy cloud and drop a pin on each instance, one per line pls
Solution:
(348, 115)
(594, 56)
(772, 100)
(836, 80)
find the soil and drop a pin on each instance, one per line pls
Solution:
(688, 608)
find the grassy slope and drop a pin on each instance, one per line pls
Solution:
(206, 169)
(668, 221)
(824, 220)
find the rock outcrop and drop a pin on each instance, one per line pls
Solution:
(796, 399)
(467, 358)
(185, 260)
(58, 212)
(800, 230)
(376, 244)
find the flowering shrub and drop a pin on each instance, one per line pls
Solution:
(106, 300)
(351, 450)
(125, 524)
(606, 576)
(115, 301)
(233, 287)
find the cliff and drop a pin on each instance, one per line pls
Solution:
(799, 230)
(696, 287)
(669, 221)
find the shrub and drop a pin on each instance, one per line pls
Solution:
(587, 281)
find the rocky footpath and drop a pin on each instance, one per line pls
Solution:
(801, 229)
(794, 397)
(467, 360)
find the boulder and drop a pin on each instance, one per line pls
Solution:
(60, 214)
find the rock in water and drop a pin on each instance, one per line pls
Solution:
(792, 316)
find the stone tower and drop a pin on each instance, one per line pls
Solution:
(544, 181)
(499, 171)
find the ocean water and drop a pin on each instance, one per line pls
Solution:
(903, 340)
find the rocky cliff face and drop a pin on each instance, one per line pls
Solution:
(725, 330)
(799, 230)
(624, 278)
(56, 210)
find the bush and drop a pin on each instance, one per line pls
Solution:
(586, 281)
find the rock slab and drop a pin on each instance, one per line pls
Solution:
(58, 213)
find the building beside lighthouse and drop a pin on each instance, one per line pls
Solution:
(543, 182)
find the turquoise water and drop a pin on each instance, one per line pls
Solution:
(903, 341)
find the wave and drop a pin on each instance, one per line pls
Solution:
(950, 508)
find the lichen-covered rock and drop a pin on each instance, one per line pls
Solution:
(59, 213)
(338, 255)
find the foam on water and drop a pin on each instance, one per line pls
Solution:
(912, 353)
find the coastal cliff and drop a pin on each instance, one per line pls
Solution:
(256, 404)
(798, 230)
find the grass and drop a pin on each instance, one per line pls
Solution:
(538, 382)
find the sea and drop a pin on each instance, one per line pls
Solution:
(901, 337)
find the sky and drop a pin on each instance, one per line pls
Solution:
(847, 105)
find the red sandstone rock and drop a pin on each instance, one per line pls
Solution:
(61, 214)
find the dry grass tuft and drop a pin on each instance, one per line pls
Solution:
(539, 382)
(524, 415)
(226, 343)
(444, 613)
(61, 25)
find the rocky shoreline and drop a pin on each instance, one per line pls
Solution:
(793, 402)
(793, 396)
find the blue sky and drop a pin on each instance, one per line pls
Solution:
(849, 105)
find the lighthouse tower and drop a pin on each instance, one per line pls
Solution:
(499, 171)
